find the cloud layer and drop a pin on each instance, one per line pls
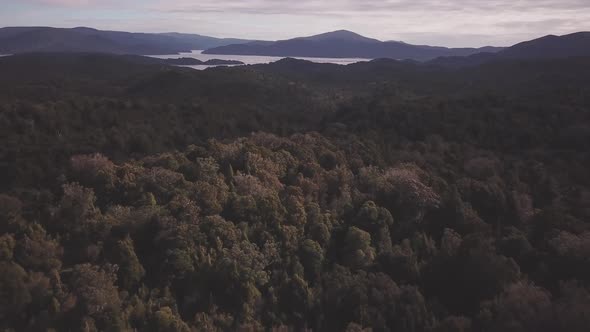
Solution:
(450, 22)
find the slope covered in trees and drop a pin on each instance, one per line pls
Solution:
(381, 195)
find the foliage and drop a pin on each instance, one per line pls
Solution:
(140, 199)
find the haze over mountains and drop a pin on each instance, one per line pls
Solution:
(336, 44)
(14, 40)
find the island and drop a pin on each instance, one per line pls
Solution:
(197, 62)
(181, 61)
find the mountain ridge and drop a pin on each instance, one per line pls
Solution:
(14, 40)
(339, 34)
(576, 44)
(334, 44)
(344, 44)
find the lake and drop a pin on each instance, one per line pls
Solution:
(247, 59)
(251, 59)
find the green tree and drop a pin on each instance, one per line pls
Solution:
(15, 294)
(358, 252)
(130, 271)
(312, 258)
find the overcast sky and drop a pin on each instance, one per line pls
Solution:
(433, 22)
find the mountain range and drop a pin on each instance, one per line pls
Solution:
(336, 44)
(345, 44)
(547, 47)
(14, 40)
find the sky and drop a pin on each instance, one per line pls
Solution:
(453, 23)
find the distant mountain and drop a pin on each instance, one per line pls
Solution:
(342, 35)
(16, 40)
(343, 44)
(200, 42)
(575, 44)
(548, 47)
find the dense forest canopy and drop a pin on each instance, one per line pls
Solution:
(384, 195)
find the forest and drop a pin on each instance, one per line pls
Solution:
(379, 196)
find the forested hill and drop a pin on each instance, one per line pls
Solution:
(383, 195)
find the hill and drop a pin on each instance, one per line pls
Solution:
(14, 40)
(575, 44)
(548, 47)
(343, 44)
(183, 61)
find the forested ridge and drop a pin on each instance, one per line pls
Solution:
(384, 196)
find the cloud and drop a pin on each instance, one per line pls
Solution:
(89, 4)
(63, 2)
(464, 22)
(440, 22)
(353, 6)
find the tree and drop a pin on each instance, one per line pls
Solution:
(520, 307)
(377, 221)
(312, 257)
(7, 244)
(358, 252)
(10, 213)
(165, 320)
(130, 271)
(95, 289)
(450, 242)
(15, 294)
(76, 209)
(38, 251)
(95, 171)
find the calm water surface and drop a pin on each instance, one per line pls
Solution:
(251, 59)
(247, 59)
